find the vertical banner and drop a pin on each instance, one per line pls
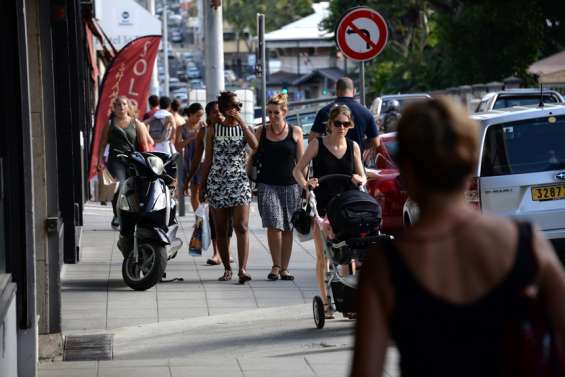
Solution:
(128, 75)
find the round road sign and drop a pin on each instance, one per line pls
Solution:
(361, 34)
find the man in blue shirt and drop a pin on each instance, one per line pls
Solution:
(365, 131)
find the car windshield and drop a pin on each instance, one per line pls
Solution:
(522, 100)
(526, 146)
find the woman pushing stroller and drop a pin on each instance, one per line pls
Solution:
(330, 154)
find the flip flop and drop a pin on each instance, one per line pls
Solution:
(212, 262)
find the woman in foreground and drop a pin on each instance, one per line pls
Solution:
(445, 290)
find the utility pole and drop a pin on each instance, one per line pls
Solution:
(166, 48)
(214, 49)
(155, 75)
(261, 68)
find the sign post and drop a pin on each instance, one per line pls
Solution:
(361, 35)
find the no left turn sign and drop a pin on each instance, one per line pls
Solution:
(361, 34)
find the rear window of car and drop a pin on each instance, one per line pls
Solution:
(527, 146)
(525, 100)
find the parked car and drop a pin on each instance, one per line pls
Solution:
(229, 75)
(193, 72)
(521, 172)
(516, 97)
(197, 84)
(177, 37)
(383, 182)
(381, 105)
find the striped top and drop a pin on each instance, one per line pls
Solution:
(222, 132)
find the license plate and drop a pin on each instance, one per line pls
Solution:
(543, 193)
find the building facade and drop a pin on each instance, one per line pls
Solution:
(47, 120)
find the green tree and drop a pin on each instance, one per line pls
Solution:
(436, 44)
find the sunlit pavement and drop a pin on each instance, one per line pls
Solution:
(199, 326)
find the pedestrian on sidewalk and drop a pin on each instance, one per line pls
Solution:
(186, 143)
(124, 133)
(162, 127)
(448, 288)
(365, 131)
(213, 116)
(153, 101)
(331, 154)
(227, 186)
(278, 195)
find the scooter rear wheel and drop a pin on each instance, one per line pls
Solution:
(148, 270)
(318, 309)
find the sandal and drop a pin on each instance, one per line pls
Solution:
(272, 275)
(243, 277)
(227, 276)
(212, 262)
(285, 275)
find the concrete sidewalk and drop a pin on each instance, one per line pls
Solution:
(199, 326)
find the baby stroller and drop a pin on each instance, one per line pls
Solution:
(355, 218)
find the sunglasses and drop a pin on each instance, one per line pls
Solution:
(238, 105)
(339, 124)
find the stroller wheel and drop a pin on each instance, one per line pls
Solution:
(318, 309)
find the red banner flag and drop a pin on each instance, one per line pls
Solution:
(128, 75)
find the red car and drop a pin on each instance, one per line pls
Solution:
(384, 183)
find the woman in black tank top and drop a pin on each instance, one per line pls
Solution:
(124, 134)
(448, 289)
(331, 154)
(278, 196)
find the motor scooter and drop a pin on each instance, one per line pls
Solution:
(147, 213)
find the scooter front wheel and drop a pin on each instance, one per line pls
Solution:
(148, 269)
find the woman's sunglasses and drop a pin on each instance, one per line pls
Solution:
(238, 105)
(339, 123)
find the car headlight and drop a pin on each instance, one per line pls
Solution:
(156, 164)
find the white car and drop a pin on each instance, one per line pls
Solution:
(517, 97)
(521, 171)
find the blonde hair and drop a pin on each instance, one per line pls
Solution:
(337, 110)
(279, 99)
(440, 142)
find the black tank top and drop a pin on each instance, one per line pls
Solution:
(122, 140)
(277, 160)
(438, 338)
(326, 163)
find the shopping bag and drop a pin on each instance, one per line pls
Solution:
(202, 212)
(107, 186)
(201, 238)
(195, 245)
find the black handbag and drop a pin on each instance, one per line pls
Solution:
(301, 218)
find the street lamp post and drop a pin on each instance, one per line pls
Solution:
(214, 50)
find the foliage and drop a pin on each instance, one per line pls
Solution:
(436, 44)
(242, 14)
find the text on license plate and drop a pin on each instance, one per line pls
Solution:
(542, 193)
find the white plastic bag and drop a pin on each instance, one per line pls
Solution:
(202, 214)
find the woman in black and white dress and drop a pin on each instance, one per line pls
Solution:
(227, 185)
(278, 194)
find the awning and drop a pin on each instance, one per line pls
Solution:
(332, 74)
